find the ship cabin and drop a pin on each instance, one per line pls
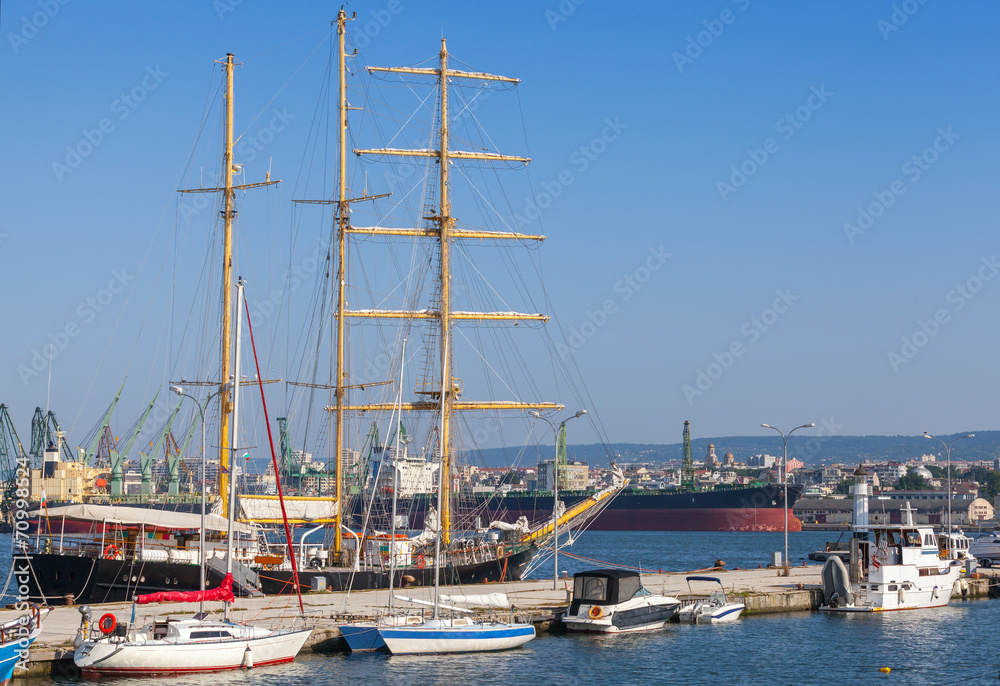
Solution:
(605, 587)
(901, 545)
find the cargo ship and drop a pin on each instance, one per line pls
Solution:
(759, 507)
(688, 507)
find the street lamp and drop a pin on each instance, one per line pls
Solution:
(948, 450)
(555, 492)
(784, 478)
(201, 539)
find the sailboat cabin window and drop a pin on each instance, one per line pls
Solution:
(211, 634)
(591, 588)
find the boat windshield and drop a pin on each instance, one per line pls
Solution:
(590, 588)
(628, 587)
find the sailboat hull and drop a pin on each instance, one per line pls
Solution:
(161, 657)
(473, 638)
(362, 637)
(510, 568)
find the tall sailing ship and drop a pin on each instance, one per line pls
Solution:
(119, 552)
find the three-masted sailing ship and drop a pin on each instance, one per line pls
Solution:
(472, 554)
(120, 552)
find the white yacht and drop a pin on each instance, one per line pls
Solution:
(612, 601)
(900, 567)
(986, 549)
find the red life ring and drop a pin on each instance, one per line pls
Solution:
(111, 552)
(499, 551)
(107, 623)
(421, 562)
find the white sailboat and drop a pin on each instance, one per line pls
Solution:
(201, 643)
(454, 634)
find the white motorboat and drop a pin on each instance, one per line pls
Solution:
(985, 549)
(717, 608)
(176, 646)
(614, 601)
(900, 567)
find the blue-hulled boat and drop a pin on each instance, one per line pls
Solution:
(16, 636)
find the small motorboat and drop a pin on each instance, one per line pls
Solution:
(612, 601)
(718, 607)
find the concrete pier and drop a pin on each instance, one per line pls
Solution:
(762, 590)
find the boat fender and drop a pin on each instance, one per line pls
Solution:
(107, 623)
(80, 637)
(248, 658)
(902, 594)
(595, 612)
(936, 592)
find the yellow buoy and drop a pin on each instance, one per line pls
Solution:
(884, 670)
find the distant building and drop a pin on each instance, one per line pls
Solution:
(711, 460)
(794, 464)
(761, 461)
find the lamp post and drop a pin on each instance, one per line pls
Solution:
(555, 492)
(947, 448)
(201, 539)
(784, 477)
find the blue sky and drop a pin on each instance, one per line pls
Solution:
(802, 192)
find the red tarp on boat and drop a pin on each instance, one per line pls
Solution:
(224, 592)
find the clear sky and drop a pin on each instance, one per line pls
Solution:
(756, 212)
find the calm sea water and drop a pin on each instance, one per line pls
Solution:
(954, 645)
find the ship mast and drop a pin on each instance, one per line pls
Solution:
(225, 407)
(448, 399)
(448, 389)
(228, 214)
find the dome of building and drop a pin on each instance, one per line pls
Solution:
(924, 472)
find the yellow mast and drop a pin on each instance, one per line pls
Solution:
(227, 278)
(445, 221)
(342, 221)
(228, 214)
(449, 400)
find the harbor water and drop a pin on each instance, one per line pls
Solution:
(941, 646)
